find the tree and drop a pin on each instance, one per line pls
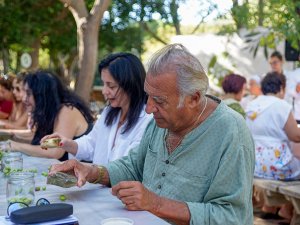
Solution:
(25, 27)
(270, 21)
(88, 23)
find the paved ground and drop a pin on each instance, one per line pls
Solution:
(259, 221)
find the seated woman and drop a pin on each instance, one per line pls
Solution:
(123, 121)
(6, 96)
(53, 108)
(273, 126)
(234, 87)
(19, 116)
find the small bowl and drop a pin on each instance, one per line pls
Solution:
(117, 221)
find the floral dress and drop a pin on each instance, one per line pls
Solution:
(266, 117)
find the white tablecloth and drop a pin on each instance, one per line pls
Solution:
(91, 203)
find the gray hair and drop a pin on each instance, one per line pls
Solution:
(191, 76)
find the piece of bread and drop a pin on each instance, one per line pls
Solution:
(51, 143)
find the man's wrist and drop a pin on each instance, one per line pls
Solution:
(97, 174)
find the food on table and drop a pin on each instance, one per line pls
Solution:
(62, 198)
(51, 143)
(25, 200)
(61, 179)
(37, 188)
(45, 174)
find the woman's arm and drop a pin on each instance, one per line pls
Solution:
(4, 115)
(291, 129)
(20, 123)
(68, 123)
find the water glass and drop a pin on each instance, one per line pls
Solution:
(11, 162)
(20, 188)
(5, 146)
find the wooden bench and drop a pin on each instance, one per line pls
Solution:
(276, 193)
(292, 194)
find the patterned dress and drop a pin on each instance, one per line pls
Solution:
(266, 117)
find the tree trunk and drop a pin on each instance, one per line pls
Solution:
(35, 54)
(260, 12)
(5, 59)
(88, 24)
(174, 14)
(88, 49)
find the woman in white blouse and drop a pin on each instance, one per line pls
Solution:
(122, 123)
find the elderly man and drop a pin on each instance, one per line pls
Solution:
(195, 162)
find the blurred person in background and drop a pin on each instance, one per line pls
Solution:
(276, 62)
(6, 96)
(234, 87)
(19, 116)
(254, 90)
(122, 123)
(273, 127)
(53, 108)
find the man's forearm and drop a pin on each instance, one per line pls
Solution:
(171, 210)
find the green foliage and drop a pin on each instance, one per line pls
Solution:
(280, 17)
(24, 22)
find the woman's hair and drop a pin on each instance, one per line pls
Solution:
(20, 76)
(233, 83)
(128, 71)
(191, 77)
(50, 95)
(6, 81)
(272, 83)
(277, 55)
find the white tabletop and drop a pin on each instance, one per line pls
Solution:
(91, 203)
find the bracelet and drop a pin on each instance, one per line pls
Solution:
(101, 172)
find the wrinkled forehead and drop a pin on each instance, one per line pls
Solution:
(163, 84)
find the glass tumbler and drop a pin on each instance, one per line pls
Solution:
(20, 188)
(11, 162)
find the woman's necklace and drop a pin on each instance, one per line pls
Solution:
(171, 142)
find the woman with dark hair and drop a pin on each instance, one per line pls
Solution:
(53, 108)
(123, 121)
(273, 127)
(234, 87)
(19, 116)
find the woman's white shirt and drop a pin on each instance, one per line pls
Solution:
(266, 117)
(107, 143)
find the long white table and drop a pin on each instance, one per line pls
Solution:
(91, 203)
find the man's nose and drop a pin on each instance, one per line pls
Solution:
(150, 106)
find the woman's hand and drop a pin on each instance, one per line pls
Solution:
(65, 143)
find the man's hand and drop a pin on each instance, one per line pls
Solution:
(135, 196)
(83, 172)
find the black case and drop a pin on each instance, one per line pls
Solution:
(41, 213)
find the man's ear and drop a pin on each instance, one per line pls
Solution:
(195, 100)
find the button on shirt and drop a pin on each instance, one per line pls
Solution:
(211, 170)
(107, 143)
